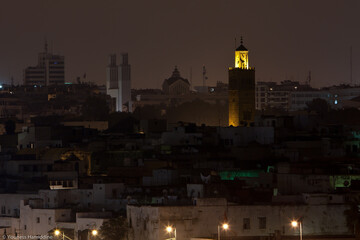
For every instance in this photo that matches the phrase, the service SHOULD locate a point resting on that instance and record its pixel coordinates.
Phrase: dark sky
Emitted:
(285, 38)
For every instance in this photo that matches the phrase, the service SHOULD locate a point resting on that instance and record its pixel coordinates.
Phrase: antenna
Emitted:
(45, 45)
(235, 43)
(204, 76)
(190, 76)
(350, 65)
(309, 78)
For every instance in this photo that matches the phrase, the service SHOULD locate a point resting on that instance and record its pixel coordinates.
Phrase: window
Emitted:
(114, 193)
(37, 220)
(3, 210)
(246, 223)
(262, 222)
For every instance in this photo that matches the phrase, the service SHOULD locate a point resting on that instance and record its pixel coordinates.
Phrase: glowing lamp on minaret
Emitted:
(241, 57)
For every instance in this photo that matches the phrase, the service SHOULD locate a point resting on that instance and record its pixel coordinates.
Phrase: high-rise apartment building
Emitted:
(49, 71)
(241, 90)
(118, 82)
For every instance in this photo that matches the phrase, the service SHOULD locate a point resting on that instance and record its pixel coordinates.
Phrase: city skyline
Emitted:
(286, 39)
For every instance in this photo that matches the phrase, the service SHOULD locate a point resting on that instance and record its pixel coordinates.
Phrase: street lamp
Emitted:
(224, 226)
(171, 229)
(294, 224)
(57, 233)
(94, 232)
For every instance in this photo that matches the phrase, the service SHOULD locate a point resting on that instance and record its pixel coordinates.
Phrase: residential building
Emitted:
(50, 70)
(201, 221)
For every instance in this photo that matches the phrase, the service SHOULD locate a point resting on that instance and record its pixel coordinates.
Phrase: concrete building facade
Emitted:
(250, 221)
(118, 83)
(49, 71)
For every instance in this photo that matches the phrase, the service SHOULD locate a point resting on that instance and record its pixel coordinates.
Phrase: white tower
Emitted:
(118, 82)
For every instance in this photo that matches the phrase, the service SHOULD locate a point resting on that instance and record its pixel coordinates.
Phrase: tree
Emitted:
(122, 122)
(10, 127)
(95, 108)
(114, 229)
(319, 105)
(352, 215)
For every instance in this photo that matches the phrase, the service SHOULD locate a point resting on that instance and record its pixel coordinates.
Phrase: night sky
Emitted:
(285, 38)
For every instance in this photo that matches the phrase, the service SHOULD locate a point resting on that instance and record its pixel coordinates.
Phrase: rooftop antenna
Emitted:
(309, 78)
(350, 65)
(235, 42)
(52, 47)
(190, 76)
(46, 46)
(204, 76)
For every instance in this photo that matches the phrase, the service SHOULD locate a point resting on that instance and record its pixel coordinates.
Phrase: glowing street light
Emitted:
(94, 232)
(170, 229)
(294, 224)
(57, 233)
(224, 226)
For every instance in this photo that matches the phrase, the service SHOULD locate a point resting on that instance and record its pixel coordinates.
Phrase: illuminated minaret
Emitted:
(241, 90)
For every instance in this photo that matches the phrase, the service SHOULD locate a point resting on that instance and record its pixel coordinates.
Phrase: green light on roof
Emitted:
(231, 175)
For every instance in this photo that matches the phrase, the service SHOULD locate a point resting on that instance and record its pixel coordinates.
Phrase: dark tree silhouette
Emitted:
(148, 112)
(114, 229)
(10, 127)
(353, 217)
(122, 122)
(95, 108)
(319, 105)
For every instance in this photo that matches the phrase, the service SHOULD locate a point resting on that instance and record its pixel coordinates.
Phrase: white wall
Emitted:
(11, 203)
(148, 222)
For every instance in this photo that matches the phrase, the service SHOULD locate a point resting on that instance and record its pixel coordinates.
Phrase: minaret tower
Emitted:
(241, 90)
